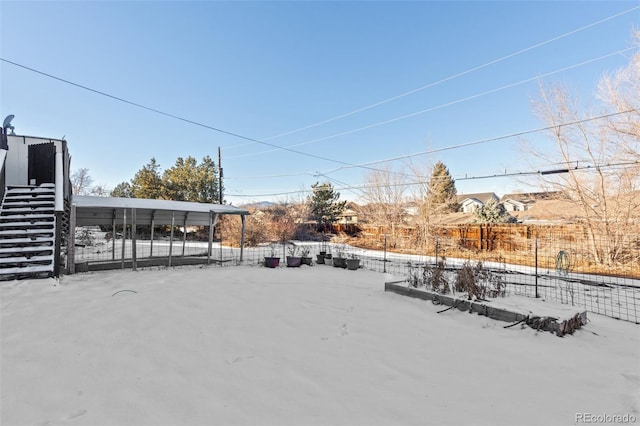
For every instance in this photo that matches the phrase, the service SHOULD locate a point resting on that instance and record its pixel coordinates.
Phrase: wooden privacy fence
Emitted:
(517, 244)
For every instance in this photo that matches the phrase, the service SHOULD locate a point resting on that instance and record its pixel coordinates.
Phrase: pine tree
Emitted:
(185, 181)
(441, 190)
(189, 181)
(123, 189)
(493, 212)
(324, 205)
(147, 182)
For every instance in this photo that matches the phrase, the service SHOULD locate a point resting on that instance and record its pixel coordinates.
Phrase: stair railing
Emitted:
(3, 158)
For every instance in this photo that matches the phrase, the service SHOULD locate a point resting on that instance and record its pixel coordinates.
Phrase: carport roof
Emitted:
(92, 210)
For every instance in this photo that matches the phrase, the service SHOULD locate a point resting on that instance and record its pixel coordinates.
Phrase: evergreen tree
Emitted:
(324, 205)
(493, 212)
(189, 181)
(147, 182)
(441, 190)
(123, 189)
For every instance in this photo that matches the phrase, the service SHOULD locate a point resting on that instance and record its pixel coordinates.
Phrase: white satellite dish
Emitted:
(6, 124)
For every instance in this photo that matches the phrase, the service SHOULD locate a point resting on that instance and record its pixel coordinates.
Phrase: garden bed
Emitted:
(538, 314)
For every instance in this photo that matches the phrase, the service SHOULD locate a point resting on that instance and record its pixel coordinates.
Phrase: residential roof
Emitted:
(483, 197)
(531, 197)
(91, 210)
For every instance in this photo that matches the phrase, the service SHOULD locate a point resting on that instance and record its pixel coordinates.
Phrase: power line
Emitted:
(465, 178)
(186, 120)
(263, 142)
(349, 165)
(448, 148)
(289, 149)
(441, 106)
(452, 77)
(493, 139)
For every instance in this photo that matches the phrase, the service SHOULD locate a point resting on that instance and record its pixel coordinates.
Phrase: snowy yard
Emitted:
(305, 346)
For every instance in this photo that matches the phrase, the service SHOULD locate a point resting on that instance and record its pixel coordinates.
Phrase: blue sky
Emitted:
(265, 70)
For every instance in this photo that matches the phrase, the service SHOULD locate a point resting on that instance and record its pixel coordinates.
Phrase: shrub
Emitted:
(478, 282)
(436, 275)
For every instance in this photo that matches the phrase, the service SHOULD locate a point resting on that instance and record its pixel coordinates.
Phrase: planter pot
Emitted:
(294, 261)
(340, 262)
(320, 259)
(353, 264)
(307, 260)
(327, 256)
(271, 262)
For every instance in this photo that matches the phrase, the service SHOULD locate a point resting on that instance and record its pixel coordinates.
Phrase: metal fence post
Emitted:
(384, 261)
(536, 256)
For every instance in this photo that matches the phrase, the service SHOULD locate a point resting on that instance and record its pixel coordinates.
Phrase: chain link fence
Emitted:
(554, 263)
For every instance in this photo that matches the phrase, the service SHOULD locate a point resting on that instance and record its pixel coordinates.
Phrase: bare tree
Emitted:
(81, 182)
(419, 199)
(597, 170)
(384, 194)
(100, 191)
(620, 92)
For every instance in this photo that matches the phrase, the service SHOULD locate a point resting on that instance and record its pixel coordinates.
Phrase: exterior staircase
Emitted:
(27, 232)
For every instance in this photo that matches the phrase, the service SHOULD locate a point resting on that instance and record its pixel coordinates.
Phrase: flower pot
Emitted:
(294, 261)
(271, 262)
(320, 259)
(340, 262)
(353, 264)
(307, 260)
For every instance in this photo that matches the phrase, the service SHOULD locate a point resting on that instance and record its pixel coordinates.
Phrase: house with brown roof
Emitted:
(520, 202)
(470, 202)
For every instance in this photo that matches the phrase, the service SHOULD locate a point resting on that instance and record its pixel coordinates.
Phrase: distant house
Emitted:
(470, 202)
(348, 217)
(520, 202)
(411, 209)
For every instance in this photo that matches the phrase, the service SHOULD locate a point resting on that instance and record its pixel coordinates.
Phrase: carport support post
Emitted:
(113, 236)
(184, 232)
(213, 219)
(153, 225)
(71, 249)
(210, 242)
(173, 223)
(133, 239)
(242, 218)
(124, 234)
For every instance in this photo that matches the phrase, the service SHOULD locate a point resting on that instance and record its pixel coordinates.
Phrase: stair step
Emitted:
(27, 218)
(9, 226)
(24, 232)
(26, 270)
(25, 201)
(26, 240)
(11, 205)
(27, 249)
(30, 190)
(29, 210)
(25, 259)
(30, 194)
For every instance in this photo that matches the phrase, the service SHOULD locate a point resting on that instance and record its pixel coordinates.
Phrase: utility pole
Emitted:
(220, 176)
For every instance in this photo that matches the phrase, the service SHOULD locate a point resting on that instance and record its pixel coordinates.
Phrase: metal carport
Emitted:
(92, 211)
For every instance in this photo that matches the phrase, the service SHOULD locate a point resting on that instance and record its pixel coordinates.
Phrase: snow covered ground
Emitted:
(305, 346)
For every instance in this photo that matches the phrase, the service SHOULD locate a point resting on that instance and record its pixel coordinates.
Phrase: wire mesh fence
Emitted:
(559, 264)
